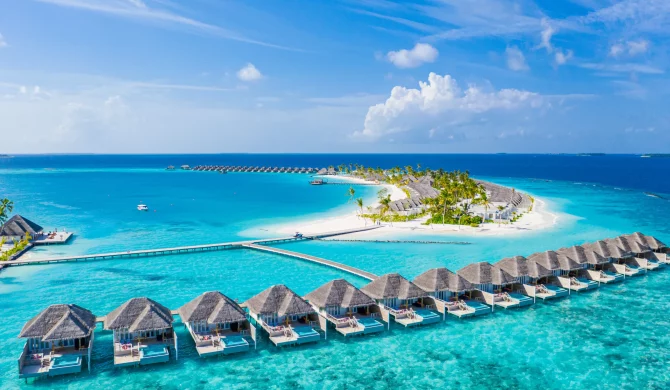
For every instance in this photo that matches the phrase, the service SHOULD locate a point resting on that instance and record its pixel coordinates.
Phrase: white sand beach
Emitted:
(539, 218)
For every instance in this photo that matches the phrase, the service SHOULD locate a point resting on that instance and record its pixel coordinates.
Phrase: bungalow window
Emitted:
(226, 325)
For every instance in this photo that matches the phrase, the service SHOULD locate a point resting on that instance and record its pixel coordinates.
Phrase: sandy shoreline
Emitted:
(538, 219)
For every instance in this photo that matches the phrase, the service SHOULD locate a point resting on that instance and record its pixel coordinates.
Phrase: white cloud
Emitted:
(562, 57)
(631, 48)
(545, 36)
(617, 49)
(420, 54)
(515, 59)
(23, 90)
(249, 73)
(437, 102)
(3, 42)
(138, 3)
(623, 68)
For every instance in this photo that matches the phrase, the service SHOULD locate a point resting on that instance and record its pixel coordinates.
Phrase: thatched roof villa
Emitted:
(143, 332)
(448, 290)
(16, 228)
(58, 339)
(400, 298)
(488, 281)
(349, 309)
(217, 324)
(286, 317)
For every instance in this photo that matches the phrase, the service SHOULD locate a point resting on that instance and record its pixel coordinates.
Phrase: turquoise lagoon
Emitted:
(615, 337)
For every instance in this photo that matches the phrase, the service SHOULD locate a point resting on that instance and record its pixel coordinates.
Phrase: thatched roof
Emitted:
(60, 322)
(441, 279)
(537, 271)
(599, 247)
(634, 244)
(213, 307)
(485, 273)
(650, 241)
(339, 293)
(139, 314)
(618, 249)
(393, 286)
(19, 226)
(593, 255)
(516, 266)
(568, 263)
(278, 299)
(547, 259)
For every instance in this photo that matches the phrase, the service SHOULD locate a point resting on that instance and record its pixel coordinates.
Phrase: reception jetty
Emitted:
(60, 337)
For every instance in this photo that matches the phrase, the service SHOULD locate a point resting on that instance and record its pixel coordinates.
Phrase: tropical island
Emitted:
(420, 199)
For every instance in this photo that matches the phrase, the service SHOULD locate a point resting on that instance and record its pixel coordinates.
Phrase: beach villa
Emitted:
(142, 332)
(489, 281)
(284, 315)
(217, 324)
(401, 299)
(524, 288)
(16, 228)
(350, 310)
(57, 341)
(549, 285)
(448, 291)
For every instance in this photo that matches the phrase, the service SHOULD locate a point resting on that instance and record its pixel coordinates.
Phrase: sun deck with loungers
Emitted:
(401, 299)
(142, 332)
(489, 283)
(350, 311)
(524, 288)
(448, 291)
(58, 340)
(285, 316)
(217, 324)
(548, 285)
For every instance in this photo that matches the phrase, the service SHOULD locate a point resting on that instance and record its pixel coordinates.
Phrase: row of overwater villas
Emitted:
(225, 168)
(60, 338)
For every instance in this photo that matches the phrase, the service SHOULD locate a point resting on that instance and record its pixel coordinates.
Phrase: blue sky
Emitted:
(460, 76)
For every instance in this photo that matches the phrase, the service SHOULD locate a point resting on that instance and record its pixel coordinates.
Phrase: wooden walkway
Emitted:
(178, 250)
(314, 259)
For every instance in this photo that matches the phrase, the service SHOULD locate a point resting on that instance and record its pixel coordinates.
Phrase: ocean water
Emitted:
(615, 337)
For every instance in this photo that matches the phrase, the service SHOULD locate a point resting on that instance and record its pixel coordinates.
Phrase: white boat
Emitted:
(142, 207)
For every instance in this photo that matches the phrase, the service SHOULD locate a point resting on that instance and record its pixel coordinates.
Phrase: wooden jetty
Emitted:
(180, 250)
(254, 169)
(314, 259)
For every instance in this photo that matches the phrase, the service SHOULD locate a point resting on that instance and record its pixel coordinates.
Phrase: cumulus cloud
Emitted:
(3, 43)
(438, 102)
(249, 73)
(545, 36)
(562, 57)
(420, 54)
(515, 59)
(630, 48)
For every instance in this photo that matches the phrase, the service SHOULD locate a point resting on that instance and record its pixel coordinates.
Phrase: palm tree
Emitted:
(484, 201)
(6, 207)
(350, 193)
(500, 210)
(385, 204)
(359, 203)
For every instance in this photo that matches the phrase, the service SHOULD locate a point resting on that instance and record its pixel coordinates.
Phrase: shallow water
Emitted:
(615, 337)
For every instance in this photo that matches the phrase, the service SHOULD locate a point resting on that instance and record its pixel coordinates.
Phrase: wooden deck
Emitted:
(314, 259)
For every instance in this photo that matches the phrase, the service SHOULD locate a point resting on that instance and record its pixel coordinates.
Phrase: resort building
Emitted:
(142, 331)
(623, 258)
(16, 228)
(644, 255)
(597, 268)
(572, 263)
(349, 309)
(489, 281)
(217, 324)
(510, 199)
(402, 299)
(285, 316)
(448, 291)
(57, 341)
(524, 288)
(659, 249)
(549, 285)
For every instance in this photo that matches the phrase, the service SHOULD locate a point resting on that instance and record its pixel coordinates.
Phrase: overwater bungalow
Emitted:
(142, 332)
(623, 258)
(217, 324)
(598, 269)
(284, 315)
(550, 284)
(524, 288)
(448, 290)
(401, 299)
(57, 341)
(659, 249)
(644, 255)
(573, 263)
(350, 310)
(489, 282)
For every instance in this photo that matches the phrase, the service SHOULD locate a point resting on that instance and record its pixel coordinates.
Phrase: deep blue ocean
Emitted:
(613, 338)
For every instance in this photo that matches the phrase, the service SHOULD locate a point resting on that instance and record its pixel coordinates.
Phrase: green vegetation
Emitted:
(6, 207)
(18, 247)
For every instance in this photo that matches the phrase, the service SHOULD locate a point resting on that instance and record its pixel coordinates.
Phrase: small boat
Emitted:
(185, 168)
(318, 182)
(170, 168)
(142, 207)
